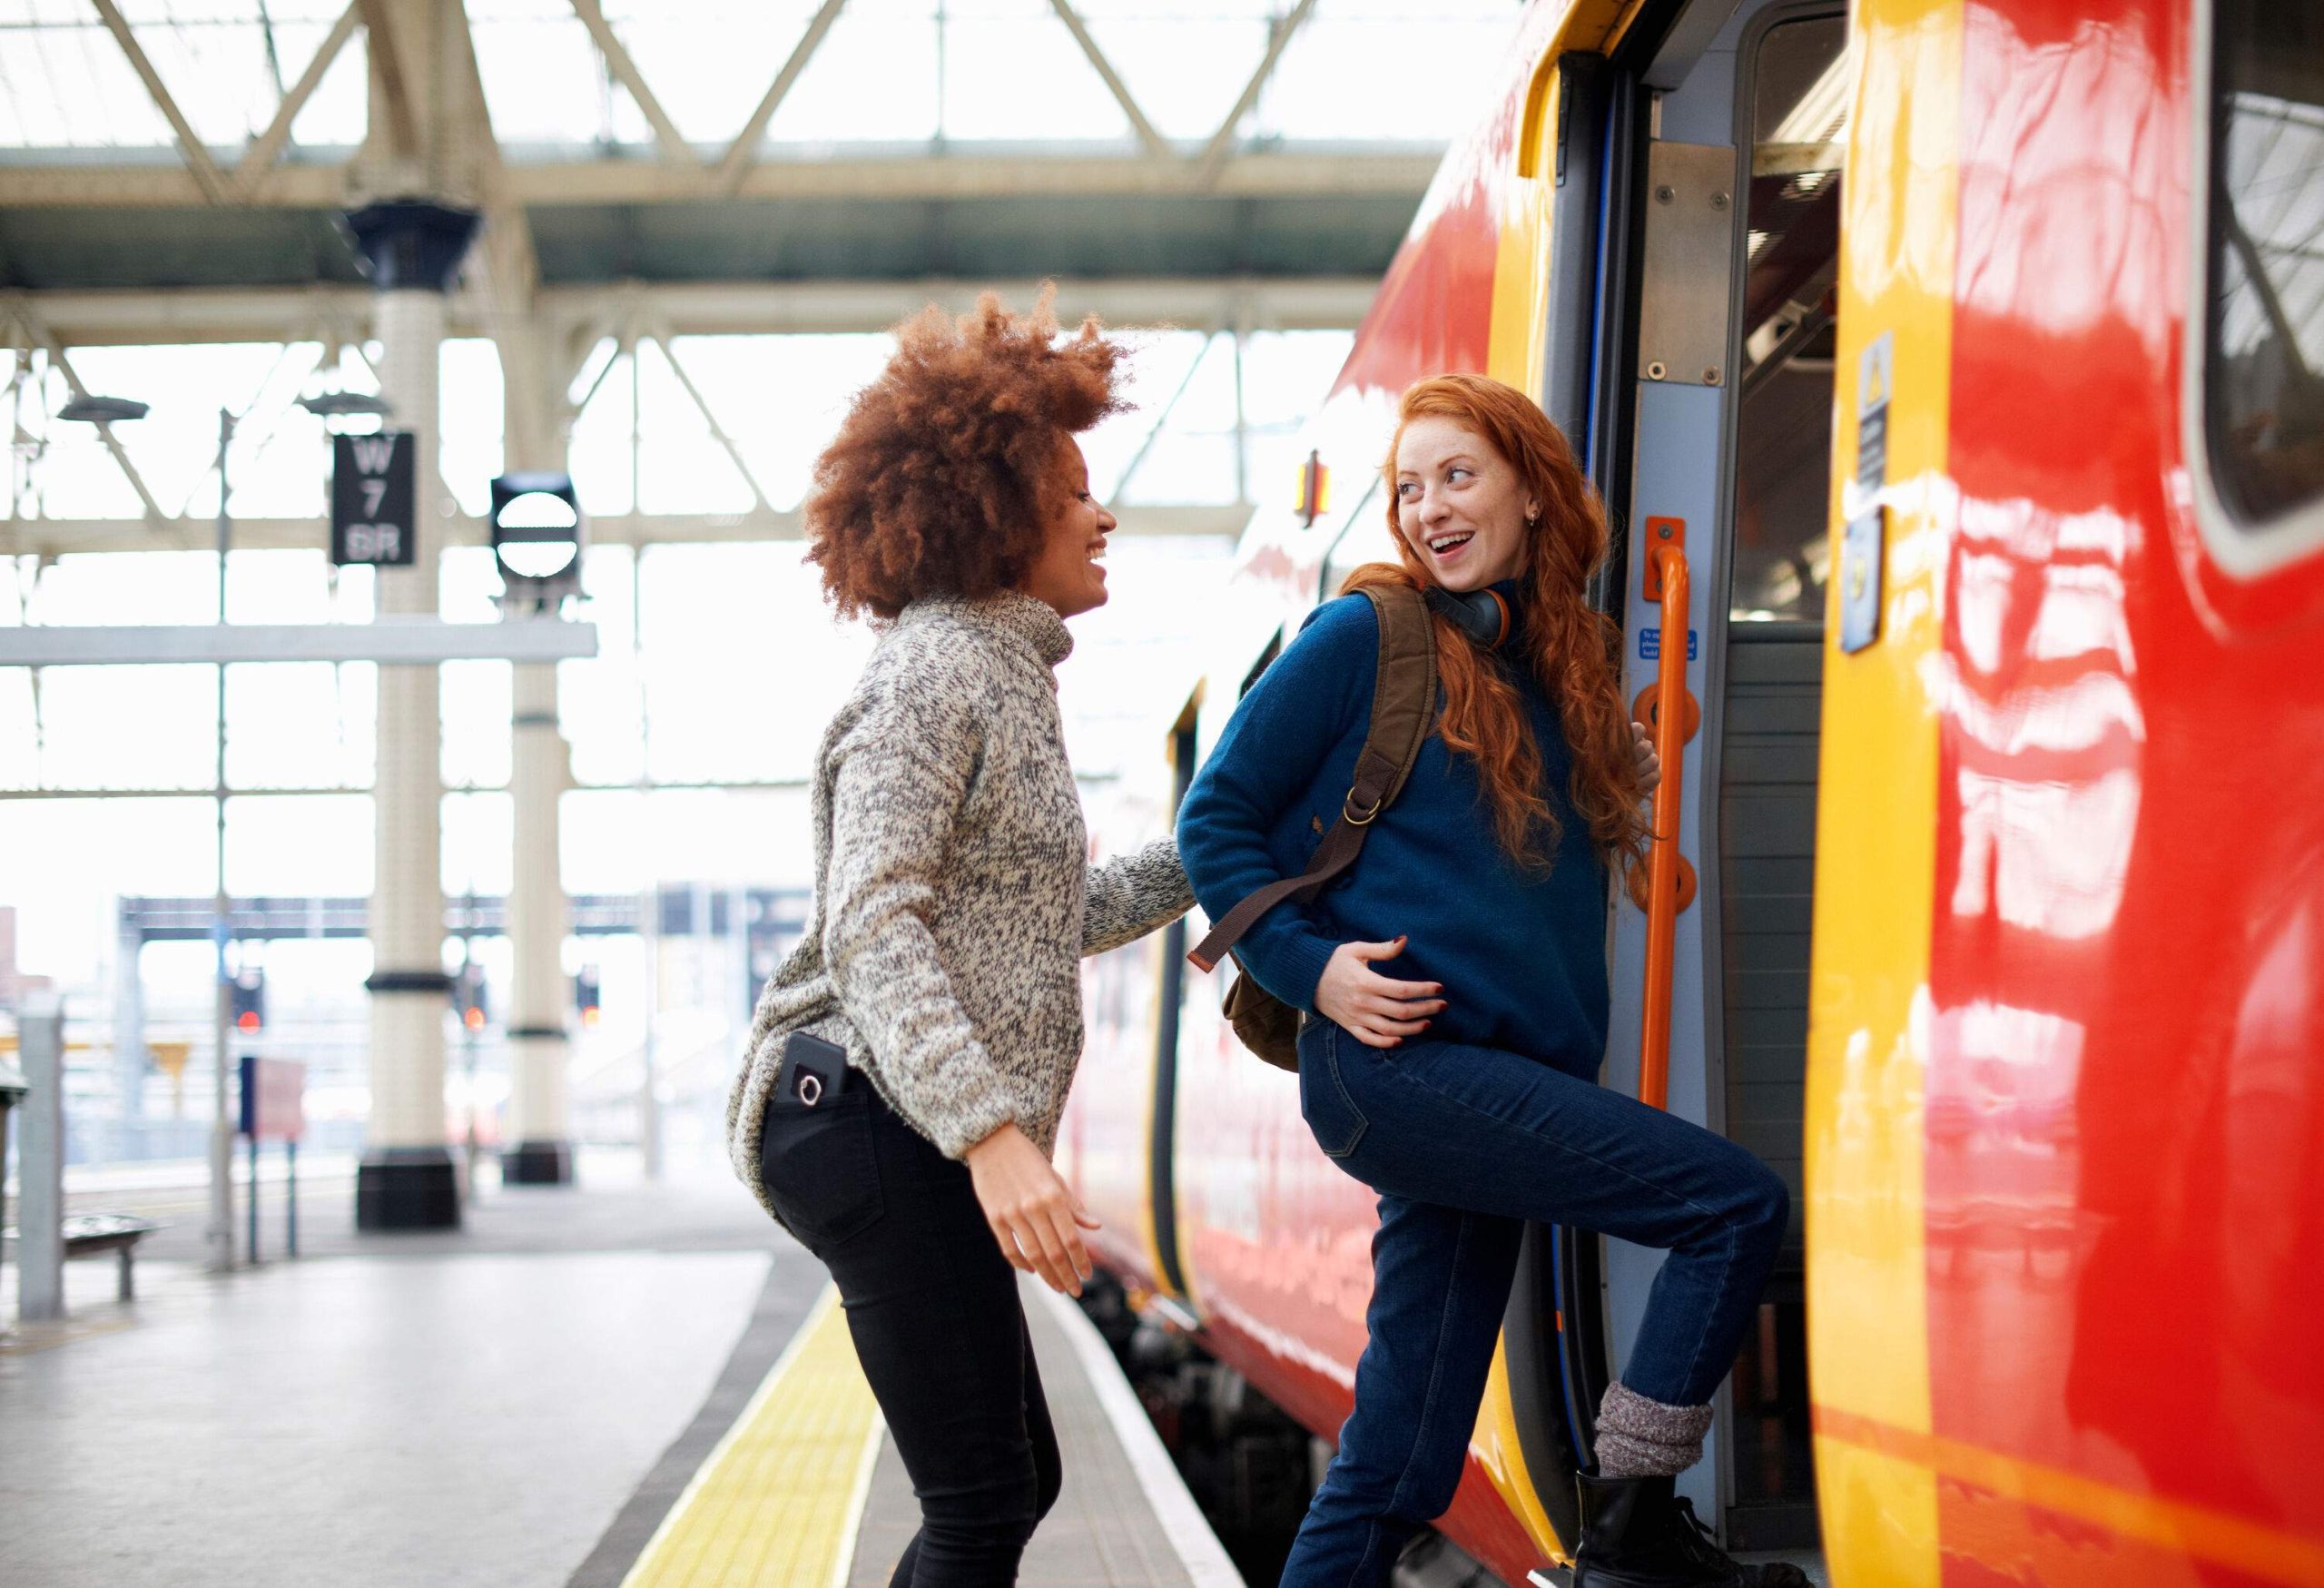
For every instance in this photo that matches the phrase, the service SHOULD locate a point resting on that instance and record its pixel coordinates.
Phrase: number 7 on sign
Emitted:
(375, 491)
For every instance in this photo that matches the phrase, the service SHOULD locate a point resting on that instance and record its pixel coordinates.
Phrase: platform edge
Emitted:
(1187, 1529)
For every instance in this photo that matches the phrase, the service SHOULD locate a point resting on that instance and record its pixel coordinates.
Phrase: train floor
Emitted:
(619, 1383)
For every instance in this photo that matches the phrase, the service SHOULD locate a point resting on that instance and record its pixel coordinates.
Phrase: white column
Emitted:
(540, 1129)
(406, 1182)
(407, 920)
(40, 1132)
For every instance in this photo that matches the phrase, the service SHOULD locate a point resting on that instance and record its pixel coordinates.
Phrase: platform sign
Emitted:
(273, 1099)
(372, 501)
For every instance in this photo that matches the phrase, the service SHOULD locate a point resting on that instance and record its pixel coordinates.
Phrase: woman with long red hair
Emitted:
(1452, 995)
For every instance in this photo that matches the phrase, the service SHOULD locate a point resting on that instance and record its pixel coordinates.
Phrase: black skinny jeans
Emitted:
(938, 1326)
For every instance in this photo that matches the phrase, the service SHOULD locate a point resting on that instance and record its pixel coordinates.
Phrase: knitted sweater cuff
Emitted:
(1295, 966)
(969, 1117)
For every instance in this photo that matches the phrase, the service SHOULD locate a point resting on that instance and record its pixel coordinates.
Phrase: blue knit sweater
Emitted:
(1521, 954)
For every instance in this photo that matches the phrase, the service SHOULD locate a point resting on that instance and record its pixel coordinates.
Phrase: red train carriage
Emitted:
(1978, 347)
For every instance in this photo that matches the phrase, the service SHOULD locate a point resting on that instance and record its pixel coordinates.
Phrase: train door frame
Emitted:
(1772, 1525)
(1162, 1130)
(1694, 95)
(1605, 123)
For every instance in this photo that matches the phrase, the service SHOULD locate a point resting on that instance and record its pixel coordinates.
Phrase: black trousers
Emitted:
(938, 1325)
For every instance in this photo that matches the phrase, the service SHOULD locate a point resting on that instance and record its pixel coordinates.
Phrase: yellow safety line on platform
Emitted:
(779, 1499)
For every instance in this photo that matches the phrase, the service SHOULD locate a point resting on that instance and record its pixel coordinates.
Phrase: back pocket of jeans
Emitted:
(821, 1168)
(1332, 1116)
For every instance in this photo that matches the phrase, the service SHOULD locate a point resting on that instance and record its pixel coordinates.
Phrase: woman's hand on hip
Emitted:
(1032, 1213)
(1375, 1009)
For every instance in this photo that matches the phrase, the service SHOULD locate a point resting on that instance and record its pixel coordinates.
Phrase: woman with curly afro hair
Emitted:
(910, 1059)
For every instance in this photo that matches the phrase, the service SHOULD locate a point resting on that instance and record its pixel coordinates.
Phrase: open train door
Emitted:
(1698, 230)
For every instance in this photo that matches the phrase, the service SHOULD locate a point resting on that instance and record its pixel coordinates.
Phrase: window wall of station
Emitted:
(692, 731)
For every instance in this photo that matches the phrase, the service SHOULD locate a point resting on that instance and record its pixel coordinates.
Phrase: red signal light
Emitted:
(246, 1020)
(475, 1018)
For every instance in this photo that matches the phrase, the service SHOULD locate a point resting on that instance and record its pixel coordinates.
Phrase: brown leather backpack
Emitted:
(1404, 709)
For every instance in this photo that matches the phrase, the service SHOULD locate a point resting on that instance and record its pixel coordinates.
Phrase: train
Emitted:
(1971, 354)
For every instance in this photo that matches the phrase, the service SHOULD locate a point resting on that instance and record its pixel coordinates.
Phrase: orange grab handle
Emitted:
(1669, 566)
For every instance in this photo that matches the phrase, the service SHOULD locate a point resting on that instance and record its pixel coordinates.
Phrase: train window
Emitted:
(2262, 397)
(1799, 111)
(1364, 537)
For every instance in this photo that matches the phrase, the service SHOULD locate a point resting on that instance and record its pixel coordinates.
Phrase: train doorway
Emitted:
(1737, 194)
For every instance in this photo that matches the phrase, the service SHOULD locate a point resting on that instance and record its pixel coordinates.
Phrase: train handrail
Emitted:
(1667, 581)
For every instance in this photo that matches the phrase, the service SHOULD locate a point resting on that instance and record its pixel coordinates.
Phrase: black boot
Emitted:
(1636, 1533)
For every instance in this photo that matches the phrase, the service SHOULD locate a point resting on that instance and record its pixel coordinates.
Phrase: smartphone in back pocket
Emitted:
(813, 1072)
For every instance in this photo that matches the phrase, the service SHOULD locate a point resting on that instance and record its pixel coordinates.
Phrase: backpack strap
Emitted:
(1404, 709)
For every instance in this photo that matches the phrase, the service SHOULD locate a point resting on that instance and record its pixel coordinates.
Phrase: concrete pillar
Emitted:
(40, 1131)
(539, 1118)
(536, 425)
(406, 1182)
(129, 1058)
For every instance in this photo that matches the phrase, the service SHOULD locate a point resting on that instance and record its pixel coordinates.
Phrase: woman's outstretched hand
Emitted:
(1032, 1213)
(1649, 761)
(1375, 1011)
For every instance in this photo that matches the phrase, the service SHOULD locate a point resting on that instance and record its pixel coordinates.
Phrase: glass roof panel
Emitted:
(543, 78)
(64, 81)
(1184, 65)
(897, 72)
(1013, 71)
(874, 79)
(1372, 73)
(70, 85)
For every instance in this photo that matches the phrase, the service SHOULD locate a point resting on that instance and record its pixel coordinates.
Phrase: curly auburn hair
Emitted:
(937, 480)
(1570, 648)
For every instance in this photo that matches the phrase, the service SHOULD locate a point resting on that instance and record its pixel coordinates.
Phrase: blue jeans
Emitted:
(1465, 1146)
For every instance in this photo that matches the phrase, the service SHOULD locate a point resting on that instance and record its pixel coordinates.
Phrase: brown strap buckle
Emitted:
(1347, 810)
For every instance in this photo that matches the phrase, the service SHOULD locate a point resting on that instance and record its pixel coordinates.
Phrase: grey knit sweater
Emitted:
(953, 896)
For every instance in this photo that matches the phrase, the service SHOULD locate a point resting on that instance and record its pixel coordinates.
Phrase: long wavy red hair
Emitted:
(1569, 648)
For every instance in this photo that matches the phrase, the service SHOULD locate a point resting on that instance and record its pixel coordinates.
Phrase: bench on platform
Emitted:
(89, 1235)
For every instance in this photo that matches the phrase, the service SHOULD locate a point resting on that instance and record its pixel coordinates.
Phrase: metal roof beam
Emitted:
(511, 273)
(575, 318)
(742, 155)
(388, 76)
(674, 147)
(717, 430)
(1155, 144)
(1054, 172)
(206, 175)
(268, 146)
(388, 640)
(72, 536)
(1213, 158)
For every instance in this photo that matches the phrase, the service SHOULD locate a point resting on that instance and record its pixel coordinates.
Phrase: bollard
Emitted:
(40, 1132)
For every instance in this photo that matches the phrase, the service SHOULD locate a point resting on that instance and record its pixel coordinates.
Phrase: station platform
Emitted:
(617, 1383)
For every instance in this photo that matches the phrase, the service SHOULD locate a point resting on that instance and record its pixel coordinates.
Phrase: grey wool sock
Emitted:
(1640, 1439)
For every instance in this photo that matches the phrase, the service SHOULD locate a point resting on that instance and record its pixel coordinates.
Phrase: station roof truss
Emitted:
(172, 171)
(587, 132)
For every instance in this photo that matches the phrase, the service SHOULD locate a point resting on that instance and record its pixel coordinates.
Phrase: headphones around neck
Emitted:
(1482, 614)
